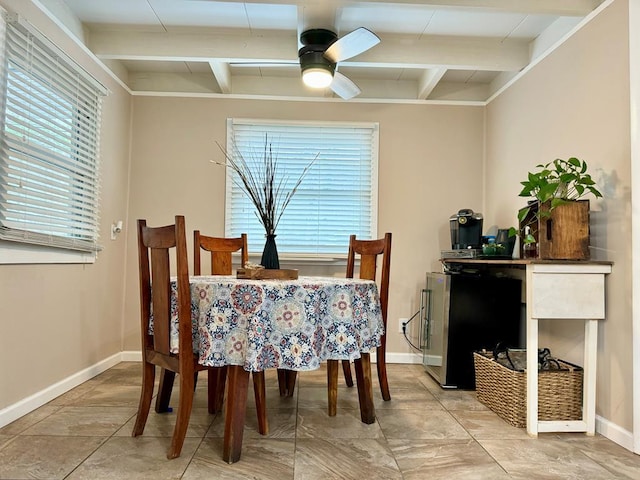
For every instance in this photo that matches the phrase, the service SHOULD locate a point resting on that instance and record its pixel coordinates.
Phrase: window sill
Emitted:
(22, 253)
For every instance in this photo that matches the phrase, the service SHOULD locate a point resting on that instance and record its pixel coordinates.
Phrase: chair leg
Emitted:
(291, 382)
(282, 382)
(365, 389)
(216, 379)
(381, 366)
(332, 387)
(167, 377)
(164, 390)
(185, 403)
(146, 394)
(287, 382)
(235, 413)
(259, 391)
(346, 368)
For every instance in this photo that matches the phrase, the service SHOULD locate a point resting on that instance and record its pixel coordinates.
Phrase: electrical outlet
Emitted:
(401, 323)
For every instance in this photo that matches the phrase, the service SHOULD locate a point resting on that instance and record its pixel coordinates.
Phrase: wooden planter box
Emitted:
(562, 236)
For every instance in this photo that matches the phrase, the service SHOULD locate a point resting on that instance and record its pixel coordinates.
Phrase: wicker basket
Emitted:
(504, 391)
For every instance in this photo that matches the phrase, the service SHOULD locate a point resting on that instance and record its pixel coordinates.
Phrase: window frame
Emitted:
(309, 257)
(20, 246)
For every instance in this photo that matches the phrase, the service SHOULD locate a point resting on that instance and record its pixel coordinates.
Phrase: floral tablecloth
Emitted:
(291, 324)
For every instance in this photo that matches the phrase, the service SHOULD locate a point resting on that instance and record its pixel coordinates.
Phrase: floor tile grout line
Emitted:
(195, 451)
(456, 401)
(79, 464)
(106, 439)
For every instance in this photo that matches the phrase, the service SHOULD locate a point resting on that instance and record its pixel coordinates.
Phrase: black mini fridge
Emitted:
(463, 313)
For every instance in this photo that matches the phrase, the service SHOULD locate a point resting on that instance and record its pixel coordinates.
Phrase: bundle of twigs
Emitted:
(261, 180)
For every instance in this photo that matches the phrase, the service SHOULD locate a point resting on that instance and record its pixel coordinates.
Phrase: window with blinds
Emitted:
(49, 144)
(337, 198)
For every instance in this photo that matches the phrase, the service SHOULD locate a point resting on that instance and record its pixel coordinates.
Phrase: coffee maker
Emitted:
(466, 230)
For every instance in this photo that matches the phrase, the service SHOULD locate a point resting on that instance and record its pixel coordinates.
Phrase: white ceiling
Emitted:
(455, 50)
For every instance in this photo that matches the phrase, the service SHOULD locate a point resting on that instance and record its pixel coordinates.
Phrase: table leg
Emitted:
(217, 378)
(365, 388)
(589, 375)
(332, 389)
(259, 391)
(532, 376)
(235, 412)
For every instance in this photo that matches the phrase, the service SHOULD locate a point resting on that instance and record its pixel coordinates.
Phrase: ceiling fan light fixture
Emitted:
(317, 77)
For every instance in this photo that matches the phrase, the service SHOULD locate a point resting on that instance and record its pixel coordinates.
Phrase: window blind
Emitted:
(49, 145)
(337, 198)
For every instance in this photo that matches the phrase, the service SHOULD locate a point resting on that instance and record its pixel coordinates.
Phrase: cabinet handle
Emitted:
(421, 323)
(425, 335)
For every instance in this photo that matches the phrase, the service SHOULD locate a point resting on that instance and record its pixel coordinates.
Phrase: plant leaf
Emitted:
(522, 214)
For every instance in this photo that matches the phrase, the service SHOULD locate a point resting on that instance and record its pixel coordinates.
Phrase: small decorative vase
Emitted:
(530, 250)
(270, 253)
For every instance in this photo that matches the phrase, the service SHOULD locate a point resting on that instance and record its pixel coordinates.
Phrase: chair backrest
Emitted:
(221, 250)
(154, 247)
(368, 250)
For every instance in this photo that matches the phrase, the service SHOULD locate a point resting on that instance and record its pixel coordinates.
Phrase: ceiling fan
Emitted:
(321, 52)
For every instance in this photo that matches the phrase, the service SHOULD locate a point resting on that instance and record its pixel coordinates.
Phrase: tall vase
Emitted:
(270, 254)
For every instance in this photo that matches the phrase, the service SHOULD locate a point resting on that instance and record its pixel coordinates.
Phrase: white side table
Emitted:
(565, 291)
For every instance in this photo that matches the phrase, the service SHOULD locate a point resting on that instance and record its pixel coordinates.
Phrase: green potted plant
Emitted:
(558, 215)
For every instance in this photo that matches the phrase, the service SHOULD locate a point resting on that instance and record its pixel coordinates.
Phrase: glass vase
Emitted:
(270, 254)
(530, 250)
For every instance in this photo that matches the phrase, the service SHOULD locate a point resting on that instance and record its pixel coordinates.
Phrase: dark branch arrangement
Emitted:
(263, 182)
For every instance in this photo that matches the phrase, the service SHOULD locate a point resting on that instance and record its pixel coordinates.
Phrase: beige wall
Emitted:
(576, 103)
(423, 150)
(57, 320)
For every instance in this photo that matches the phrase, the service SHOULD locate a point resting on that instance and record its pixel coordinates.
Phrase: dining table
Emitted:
(252, 325)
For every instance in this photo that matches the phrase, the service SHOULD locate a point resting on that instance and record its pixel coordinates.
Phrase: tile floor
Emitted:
(424, 432)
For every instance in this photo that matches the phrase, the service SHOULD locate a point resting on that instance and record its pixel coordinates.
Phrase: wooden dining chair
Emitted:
(221, 250)
(368, 251)
(221, 263)
(154, 248)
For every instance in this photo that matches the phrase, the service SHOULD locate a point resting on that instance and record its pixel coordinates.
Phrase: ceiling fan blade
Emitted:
(343, 87)
(352, 44)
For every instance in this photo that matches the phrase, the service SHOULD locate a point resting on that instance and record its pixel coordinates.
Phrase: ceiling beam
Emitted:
(222, 72)
(127, 44)
(173, 82)
(428, 81)
(572, 8)
(487, 54)
(316, 15)
(394, 51)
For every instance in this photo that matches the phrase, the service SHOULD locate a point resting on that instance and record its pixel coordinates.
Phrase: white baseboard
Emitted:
(27, 405)
(131, 356)
(402, 357)
(614, 432)
(11, 413)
